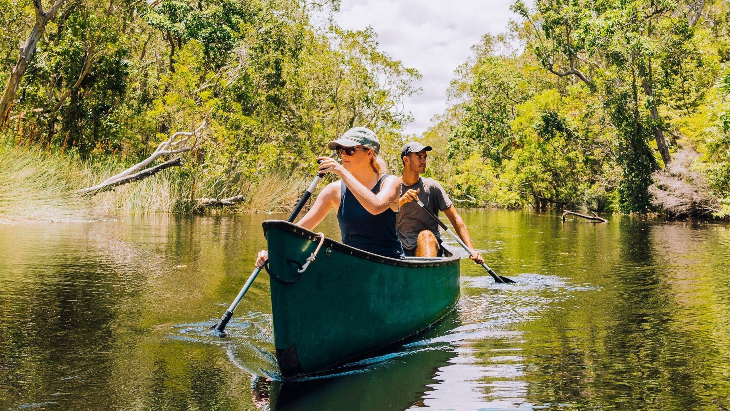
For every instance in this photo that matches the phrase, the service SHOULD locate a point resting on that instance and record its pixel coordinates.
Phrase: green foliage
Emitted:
(648, 65)
(598, 99)
(541, 143)
(273, 88)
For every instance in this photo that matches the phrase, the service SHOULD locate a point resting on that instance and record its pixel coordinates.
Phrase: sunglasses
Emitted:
(350, 151)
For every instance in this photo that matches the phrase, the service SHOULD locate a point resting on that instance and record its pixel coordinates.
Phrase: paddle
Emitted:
(497, 278)
(221, 325)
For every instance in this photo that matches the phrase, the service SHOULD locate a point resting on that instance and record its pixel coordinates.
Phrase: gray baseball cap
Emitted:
(356, 136)
(413, 147)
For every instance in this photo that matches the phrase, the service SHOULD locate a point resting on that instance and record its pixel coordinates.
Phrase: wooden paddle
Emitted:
(497, 278)
(221, 325)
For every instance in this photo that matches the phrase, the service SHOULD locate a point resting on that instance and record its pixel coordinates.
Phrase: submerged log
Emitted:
(595, 217)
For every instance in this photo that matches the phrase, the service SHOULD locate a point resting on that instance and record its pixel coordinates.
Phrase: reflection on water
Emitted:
(115, 314)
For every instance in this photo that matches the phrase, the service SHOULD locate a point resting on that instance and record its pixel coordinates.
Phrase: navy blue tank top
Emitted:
(372, 233)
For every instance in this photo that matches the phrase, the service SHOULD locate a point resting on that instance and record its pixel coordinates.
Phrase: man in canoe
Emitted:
(418, 231)
(365, 197)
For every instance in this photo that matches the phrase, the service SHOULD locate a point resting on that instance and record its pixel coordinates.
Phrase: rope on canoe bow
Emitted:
(302, 267)
(314, 254)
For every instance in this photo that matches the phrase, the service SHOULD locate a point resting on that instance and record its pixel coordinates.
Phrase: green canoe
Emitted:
(348, 302)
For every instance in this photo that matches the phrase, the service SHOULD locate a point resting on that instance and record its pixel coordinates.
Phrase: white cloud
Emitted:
(434, 37)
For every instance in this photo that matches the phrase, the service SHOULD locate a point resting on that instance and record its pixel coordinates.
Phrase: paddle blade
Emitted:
(220, 326)
(497, 278)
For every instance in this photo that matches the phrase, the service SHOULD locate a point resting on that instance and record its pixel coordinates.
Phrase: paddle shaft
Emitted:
(229, 312)
(491, 272)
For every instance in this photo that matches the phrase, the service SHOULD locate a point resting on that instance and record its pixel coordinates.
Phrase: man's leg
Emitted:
(428, 245)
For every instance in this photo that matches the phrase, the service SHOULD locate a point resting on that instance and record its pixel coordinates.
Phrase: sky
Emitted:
(432, 36)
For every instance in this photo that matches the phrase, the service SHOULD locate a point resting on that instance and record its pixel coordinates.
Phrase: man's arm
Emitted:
(462, 232)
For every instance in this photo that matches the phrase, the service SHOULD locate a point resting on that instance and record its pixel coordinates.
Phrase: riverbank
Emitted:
(39, 186)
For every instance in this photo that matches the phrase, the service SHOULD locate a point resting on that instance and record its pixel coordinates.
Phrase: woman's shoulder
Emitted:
(332, 188)
(390, 179)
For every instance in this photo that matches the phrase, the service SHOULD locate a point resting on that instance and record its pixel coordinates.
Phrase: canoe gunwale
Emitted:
(346, 249)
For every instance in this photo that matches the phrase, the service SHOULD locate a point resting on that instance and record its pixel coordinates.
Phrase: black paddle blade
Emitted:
(219, 328)
(497, 277)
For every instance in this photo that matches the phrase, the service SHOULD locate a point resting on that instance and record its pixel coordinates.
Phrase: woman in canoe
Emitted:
(366, 199)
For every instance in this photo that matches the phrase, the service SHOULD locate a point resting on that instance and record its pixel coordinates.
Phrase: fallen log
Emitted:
(220, 202)
(595, 217)
(175, 162)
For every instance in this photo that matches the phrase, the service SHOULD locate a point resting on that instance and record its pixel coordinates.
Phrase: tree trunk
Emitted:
(26, 55)
(661, 142)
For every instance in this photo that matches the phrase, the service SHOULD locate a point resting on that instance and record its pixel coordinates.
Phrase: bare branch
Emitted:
(177, 161)
(164, 149)
(172, 146)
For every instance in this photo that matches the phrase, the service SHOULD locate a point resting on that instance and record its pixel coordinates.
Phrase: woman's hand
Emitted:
(261, 258)
(330, 165)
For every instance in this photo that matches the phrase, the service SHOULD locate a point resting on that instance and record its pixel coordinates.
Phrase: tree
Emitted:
(636, 54)
(27, 50)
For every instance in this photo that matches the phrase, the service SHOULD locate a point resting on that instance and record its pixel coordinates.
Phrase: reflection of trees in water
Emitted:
(79, 300)
(186, 377)
(59, 328)
(639, 346)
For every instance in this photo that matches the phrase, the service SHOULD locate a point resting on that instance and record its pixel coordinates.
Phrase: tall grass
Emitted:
(37, 186)
(42, 186)
(274, 193)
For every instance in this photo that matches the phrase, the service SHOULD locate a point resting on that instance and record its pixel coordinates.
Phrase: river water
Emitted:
(114, 314)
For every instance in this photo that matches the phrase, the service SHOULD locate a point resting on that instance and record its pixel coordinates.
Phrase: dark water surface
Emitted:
(114, 315)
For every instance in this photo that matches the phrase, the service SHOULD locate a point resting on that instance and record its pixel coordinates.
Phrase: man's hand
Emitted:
(410, 195)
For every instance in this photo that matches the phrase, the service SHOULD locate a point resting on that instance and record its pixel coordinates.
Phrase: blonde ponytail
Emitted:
(378, 164)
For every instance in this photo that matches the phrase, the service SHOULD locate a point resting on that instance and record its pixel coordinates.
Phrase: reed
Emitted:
(274, 192)
(37, 186)
(42, 186)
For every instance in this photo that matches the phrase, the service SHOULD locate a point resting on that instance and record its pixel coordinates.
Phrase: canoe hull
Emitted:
(348, 302)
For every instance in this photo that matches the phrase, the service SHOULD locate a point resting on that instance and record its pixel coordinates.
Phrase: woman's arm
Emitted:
(373, 203)
(328, 199)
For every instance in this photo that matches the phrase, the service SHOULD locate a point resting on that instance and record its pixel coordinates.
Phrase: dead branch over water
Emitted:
(178, 143)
